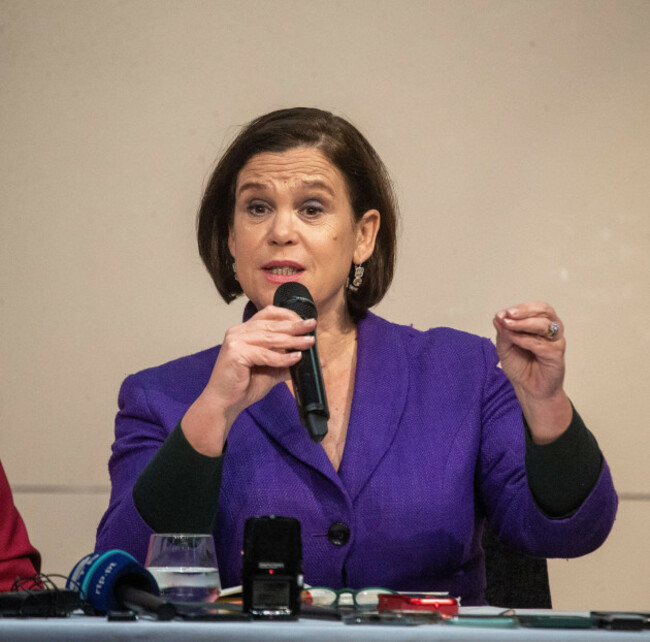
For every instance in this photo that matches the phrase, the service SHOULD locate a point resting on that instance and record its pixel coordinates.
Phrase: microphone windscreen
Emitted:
(295, 296)
(96, 577)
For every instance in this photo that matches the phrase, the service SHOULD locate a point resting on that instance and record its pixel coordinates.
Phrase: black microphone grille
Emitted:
(295, 296)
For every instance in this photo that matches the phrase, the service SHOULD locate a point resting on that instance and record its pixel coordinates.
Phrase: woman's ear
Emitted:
(231, 241)
(367, 230)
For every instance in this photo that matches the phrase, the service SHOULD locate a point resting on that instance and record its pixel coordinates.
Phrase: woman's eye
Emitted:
(258, 209)
(312, 209)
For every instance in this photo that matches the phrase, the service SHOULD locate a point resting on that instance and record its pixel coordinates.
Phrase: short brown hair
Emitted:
(367, 179)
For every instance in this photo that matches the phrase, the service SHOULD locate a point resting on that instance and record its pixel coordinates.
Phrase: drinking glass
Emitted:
(185, 566)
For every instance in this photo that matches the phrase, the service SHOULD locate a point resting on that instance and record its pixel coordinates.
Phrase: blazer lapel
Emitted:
(277, 415)
(380, 390)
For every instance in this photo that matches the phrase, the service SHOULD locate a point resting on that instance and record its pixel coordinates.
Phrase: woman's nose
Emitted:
(282, 230)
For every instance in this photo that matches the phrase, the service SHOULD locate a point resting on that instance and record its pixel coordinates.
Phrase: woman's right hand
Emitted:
(255, 356)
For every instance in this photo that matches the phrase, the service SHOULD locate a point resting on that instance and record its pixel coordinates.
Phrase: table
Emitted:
(79, 627)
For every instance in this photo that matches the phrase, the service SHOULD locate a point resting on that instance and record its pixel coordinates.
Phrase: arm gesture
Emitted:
(531, 346)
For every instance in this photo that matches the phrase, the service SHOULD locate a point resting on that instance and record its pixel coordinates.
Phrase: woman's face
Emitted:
(293, 221)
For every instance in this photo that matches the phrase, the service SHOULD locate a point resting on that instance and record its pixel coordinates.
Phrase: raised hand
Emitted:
(531, 346)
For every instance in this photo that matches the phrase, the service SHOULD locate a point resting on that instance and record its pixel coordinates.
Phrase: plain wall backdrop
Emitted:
(517, 134)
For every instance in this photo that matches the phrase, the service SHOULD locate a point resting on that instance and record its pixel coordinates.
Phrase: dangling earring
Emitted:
(234, 271)
(357, 280)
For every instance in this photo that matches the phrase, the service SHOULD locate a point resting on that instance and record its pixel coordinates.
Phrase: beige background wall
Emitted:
(516, 132)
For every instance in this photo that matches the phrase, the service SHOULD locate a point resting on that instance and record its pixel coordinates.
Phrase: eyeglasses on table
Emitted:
(365, 598)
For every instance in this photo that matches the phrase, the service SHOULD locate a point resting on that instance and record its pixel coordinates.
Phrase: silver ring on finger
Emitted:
(553, 329)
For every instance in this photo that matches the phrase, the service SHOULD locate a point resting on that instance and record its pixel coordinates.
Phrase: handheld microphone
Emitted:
(306, 375)
(115, 580)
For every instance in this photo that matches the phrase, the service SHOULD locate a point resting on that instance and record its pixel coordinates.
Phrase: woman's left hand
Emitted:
(531, 345)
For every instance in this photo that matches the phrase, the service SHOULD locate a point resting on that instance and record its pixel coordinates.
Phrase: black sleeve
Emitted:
(178, 491)
(561, 474)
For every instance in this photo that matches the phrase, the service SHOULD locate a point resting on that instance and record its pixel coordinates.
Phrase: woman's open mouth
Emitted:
(284, 270)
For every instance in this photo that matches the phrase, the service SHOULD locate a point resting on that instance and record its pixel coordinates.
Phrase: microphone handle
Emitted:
(309, 388)
(143, 602)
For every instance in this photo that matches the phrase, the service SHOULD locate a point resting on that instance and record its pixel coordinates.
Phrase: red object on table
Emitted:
(445, 605)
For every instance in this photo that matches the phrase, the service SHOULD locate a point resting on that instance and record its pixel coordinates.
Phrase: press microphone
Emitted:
(306, 375)
(114, 581)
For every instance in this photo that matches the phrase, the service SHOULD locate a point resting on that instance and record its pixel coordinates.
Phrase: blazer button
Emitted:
(338, 534)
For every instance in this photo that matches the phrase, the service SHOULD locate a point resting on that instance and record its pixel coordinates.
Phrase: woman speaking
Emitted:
(427, 437)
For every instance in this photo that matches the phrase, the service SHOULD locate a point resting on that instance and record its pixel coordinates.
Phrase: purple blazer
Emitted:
(435, 446)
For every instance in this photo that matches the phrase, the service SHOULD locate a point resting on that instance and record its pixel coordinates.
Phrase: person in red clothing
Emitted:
(18, 558)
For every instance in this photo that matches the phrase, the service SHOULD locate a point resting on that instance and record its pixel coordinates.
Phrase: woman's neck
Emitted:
(337, 347)
(336, 335)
